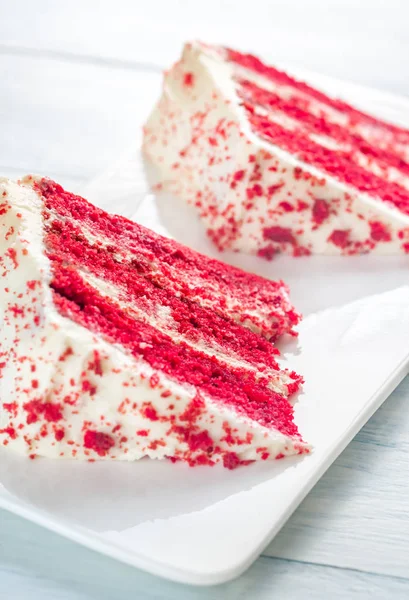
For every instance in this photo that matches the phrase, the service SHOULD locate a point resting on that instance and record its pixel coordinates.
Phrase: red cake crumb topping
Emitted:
(59, 435)
(340, 238)
(98, 441)
(279, 234)
(10, 431)
(47, 410)
(189, 79)
(320, 211)
(379, 232)
(200, 441)
(11, 407)
(231, 460)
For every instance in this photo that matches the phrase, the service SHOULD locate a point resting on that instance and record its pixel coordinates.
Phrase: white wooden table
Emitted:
(69, 104)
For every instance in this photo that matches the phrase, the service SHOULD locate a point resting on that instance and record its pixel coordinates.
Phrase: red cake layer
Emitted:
(295, 109)
(335, 163)
(252, 300)
(248, 61)
(237, 388)
(131, 314)
(355, 148)
(66, 244)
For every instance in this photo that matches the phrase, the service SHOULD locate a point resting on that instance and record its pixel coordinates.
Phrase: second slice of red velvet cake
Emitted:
(118, 343)
(275, 165)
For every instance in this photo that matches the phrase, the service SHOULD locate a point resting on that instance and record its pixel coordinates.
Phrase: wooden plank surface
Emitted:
(38, 564)
(77, 79)
(357, 516)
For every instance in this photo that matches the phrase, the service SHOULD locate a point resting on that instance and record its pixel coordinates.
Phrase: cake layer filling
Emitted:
(252, 301)
(334, 136)
(238, 388)
(392, 137)
(334, 162)
(179, 318)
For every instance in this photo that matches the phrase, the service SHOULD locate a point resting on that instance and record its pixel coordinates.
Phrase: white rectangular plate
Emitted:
(206, 525)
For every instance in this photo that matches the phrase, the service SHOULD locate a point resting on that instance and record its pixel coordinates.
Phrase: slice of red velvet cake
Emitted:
(119, 343)
(274, 165)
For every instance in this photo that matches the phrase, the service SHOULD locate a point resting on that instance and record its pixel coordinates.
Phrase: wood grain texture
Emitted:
(357, 516)
(362, 41)
(38, 564)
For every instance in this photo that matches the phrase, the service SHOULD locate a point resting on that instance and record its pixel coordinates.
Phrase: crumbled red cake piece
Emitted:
(98, 441)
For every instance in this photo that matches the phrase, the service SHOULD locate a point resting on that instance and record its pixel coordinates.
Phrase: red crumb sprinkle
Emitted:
(96, 364)
(100, 442)
(59, 434)
(35, 409)
(68, 352)
(379, 232)
(11, 407)
(154, 380)
(189, 79)
(150, 413)
(268, 252)
(280, 455)
(87, 386)
(142, 432)
(340, 238)
(286, 206)
(301, 251)
(320, 211)
(231, 460)
(200, 441)
(273, 189)
(10, 431)
(13, 255)
(282, 235)
(238, 175)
